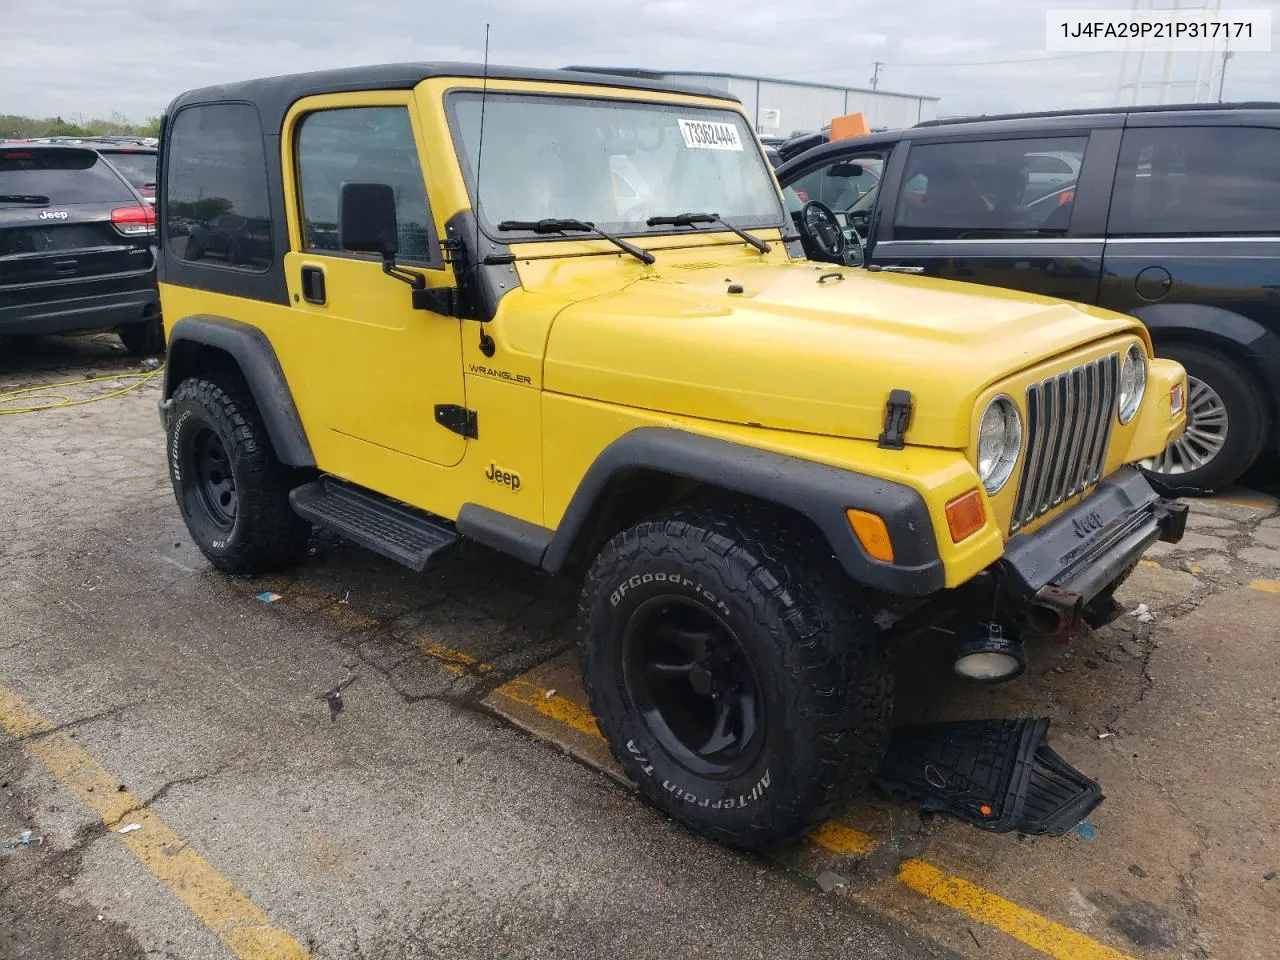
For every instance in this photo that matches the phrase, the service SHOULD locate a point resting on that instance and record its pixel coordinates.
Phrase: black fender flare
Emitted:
(253, 354)
(817, 491)
(1229, 332)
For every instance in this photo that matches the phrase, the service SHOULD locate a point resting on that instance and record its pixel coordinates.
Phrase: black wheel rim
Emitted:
(215, 484)
(694, 686)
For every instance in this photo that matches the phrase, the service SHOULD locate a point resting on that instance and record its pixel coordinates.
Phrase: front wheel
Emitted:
(732, 672)
(1226, 425)
(233, 492)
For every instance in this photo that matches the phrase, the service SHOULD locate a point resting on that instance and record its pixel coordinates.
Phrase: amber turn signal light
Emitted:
(872, 534)
(966, 515)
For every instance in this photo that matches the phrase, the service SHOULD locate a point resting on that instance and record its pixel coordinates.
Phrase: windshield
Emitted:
(613, 163)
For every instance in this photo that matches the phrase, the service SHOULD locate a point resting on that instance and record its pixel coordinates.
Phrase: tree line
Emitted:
(15, 127)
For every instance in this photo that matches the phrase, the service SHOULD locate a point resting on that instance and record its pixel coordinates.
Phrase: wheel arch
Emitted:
(652, 467)
(202, 345)
(1236, 337)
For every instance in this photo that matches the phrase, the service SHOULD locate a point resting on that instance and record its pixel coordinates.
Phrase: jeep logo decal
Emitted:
(505, 477)
(1087, 524)
(53, 214)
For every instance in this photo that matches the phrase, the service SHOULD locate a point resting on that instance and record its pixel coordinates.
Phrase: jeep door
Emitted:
(385, 366)
(967, 207)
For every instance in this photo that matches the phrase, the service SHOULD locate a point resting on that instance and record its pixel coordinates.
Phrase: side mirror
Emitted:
(367, 219)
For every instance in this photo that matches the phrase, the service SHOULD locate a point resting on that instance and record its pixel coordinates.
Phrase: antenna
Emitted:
(487, 346)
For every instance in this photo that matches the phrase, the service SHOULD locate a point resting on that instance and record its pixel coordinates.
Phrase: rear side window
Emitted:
(216, 197)
(362, 144)
(138, 168)
(63, 176)
(1193, 181)
(989, 189)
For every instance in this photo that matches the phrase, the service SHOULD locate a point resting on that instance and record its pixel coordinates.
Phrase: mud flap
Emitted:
(999, 775)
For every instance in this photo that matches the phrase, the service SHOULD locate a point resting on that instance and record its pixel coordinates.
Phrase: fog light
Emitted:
(1177, 397)
(989, 658)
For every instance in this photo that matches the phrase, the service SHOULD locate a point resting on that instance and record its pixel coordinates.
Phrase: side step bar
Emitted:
(407, 536)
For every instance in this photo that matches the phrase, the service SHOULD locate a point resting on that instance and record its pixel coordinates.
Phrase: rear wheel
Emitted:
(732, 671)
(1227, 425)
(233, 492)
(143, 339)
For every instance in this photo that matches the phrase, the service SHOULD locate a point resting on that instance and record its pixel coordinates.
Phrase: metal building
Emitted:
(787, 107)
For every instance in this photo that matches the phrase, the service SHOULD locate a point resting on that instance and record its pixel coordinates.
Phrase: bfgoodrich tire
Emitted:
(1227, 425)
(732, 671)
(231, 489)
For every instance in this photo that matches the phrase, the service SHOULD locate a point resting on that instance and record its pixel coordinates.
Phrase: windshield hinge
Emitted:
(897, 418)
(459, 419)
(451, 251)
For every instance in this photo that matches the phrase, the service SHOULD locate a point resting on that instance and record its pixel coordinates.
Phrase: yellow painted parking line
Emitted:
(835, 836)
(552, 705)
(1052, 939)
(210, 896)
(455, 661)
(1266, 586)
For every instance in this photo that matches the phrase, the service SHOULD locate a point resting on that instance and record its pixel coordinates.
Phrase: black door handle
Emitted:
(313, 285)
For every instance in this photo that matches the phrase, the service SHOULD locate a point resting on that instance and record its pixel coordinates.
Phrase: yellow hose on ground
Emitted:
(56, 401)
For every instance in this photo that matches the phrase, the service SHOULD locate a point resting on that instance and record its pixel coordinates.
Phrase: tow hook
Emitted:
(1055, 612)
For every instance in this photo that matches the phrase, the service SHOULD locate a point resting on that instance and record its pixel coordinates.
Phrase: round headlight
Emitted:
(999, 443)
(1133, 382)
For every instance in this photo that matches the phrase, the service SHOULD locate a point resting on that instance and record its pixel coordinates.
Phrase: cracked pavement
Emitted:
(413, 823)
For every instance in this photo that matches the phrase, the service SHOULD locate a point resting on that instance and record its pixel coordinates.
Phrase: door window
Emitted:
(362, 144)
(216, 193)
(843, 185)
(989, 189)
(1193, 181)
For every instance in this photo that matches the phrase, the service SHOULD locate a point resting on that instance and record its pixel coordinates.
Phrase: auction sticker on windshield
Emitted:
(708, 135)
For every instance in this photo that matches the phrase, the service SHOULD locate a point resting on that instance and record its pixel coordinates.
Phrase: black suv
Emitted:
(1170, 213)
(77, 247)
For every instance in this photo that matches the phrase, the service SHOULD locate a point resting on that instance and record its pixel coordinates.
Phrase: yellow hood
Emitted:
(795, 354)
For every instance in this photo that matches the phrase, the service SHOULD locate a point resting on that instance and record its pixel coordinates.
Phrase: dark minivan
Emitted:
(77, 247)
(1170, 213)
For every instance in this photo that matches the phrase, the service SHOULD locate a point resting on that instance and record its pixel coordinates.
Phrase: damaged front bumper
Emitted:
(1063, 573)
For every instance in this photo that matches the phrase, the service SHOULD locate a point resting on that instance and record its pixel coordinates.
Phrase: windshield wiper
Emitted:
(689, 219)
(23, 198)
(579, 226)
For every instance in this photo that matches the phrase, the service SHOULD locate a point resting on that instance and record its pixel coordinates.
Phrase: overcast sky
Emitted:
(88, 57)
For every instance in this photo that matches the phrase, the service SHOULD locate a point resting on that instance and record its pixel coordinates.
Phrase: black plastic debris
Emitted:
(334, 698)
(999, 775)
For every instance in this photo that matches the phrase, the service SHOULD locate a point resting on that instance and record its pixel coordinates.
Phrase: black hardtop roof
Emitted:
(274, 95)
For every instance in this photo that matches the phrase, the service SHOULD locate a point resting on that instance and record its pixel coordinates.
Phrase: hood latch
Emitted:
(897, 418)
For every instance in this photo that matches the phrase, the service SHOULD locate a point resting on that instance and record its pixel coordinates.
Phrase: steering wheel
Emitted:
(822, 227)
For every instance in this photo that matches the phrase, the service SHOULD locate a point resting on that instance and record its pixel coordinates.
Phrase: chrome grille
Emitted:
(1069, 418)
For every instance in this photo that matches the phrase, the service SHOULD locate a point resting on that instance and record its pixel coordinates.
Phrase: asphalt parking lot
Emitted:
(379, 765)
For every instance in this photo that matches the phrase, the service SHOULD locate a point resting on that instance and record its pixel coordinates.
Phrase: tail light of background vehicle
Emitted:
(134, 221)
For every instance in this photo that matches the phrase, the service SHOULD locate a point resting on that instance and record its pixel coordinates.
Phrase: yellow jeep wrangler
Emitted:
(565, 315)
